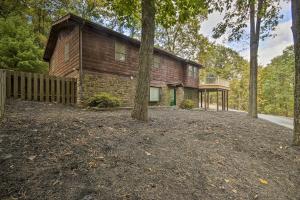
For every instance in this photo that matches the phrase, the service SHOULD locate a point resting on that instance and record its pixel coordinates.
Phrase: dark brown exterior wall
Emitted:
(58, 67)
(99, 56)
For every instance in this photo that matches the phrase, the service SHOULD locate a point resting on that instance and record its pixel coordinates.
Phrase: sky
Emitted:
(269, 48)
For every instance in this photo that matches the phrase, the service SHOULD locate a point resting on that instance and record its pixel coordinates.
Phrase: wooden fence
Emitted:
(40, 87)
(2, 91)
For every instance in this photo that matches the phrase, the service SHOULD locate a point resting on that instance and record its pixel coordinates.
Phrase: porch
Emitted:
(216, 86)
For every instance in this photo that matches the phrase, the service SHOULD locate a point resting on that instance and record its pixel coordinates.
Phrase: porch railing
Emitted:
(214, 81)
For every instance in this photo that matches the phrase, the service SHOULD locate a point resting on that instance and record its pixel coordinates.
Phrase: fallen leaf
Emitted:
(31, 158)
(263, 181)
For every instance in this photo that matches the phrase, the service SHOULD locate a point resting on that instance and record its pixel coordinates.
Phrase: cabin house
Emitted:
(103, 60)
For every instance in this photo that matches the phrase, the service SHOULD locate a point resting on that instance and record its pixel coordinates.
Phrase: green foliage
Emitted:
(237, 15)
(276, 85)
(18, 47)
(104, 100)
(187, 104)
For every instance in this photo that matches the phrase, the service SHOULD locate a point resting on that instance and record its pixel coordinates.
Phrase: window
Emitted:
(120, 51)
(154, 94)
(156, 61)
(66, 52)
(192, 71)
(195, 72)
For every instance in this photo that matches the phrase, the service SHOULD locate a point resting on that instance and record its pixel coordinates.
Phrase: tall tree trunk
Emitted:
(252, 107)
(254, 43)
(296, 34)
(140, 110)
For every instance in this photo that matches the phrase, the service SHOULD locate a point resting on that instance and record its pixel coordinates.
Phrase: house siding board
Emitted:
(99, 56)
(58, 66)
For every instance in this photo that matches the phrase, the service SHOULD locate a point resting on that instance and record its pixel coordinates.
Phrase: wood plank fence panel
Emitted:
(68, 92)
(22, 85)
(35, 87)
(3, 91)
(47, 88)
(8, 84)
(40, 87)
(52, 80)
(63, 92)
(58, 98)
(29, 86)
(16, 84)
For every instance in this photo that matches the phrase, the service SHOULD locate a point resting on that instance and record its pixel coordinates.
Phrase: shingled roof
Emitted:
(71, 20)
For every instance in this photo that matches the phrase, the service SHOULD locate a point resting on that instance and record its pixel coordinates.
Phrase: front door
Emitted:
(172, 97)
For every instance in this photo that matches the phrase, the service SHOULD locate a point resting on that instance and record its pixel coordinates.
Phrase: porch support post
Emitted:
(207, 99)
(223, 100)
(227, 98)
(217, 100)
(201, 99)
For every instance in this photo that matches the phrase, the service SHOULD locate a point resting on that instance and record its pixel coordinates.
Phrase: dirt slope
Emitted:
(55, 152)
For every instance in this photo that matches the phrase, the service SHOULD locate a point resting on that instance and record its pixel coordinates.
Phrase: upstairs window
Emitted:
(66, 52)
(156, 61)
(120, 51)
(154, 94)
(192, 71)
(195, 72)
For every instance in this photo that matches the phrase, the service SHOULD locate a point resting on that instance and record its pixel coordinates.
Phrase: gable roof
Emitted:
(71, 20)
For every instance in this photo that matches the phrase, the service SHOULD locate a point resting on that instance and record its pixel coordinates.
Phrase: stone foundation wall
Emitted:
(179, 95)
(192, 94)
(124, 88)
(119, 86)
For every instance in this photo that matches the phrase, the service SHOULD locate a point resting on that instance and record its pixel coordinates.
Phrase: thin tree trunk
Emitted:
(140, 110)
(296, 34)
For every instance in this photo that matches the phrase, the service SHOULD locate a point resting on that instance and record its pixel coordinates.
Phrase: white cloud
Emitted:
(269, 48)
(274, 46)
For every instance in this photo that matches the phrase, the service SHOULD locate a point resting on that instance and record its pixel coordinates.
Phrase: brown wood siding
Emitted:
(98, 55)
(58, 65)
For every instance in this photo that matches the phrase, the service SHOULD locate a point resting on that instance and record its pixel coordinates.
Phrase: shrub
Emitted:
(104, 100)
(187, 104)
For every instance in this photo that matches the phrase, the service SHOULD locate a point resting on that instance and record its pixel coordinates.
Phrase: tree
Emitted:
(19, 49)
(182, 39)
(296, 34)
(140, 110)
(276, 87)
(263, 16)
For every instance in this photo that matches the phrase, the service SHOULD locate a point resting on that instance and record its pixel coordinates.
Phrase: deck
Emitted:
(214, 85)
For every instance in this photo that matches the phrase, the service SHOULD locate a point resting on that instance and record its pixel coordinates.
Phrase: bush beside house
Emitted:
(104, 100)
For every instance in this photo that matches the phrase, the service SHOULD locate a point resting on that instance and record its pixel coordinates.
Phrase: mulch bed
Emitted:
(50, 151)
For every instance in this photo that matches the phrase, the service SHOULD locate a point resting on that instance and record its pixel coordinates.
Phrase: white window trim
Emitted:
(154, 97)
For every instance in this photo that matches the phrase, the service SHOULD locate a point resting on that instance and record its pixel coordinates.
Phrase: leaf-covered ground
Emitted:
(52, 151)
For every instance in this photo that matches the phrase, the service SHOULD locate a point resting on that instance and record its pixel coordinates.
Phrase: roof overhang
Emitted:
(71, 20)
